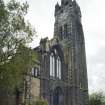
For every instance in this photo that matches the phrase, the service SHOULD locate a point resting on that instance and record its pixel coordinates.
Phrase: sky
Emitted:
(41, 16)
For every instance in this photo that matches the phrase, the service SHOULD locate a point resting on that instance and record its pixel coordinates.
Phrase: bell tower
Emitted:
(66, 16)
(69, 33)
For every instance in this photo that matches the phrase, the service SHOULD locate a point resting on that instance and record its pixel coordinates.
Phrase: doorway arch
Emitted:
(58, 97)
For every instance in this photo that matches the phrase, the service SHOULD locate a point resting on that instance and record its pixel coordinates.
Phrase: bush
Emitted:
(97, 98)
(40, 102)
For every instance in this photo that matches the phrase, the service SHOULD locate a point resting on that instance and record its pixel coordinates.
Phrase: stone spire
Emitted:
(57, 7)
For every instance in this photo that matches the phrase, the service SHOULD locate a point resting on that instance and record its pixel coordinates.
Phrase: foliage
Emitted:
(12, 72)
(15, 34)
(97, 98)
(40, 102)
(14, 30)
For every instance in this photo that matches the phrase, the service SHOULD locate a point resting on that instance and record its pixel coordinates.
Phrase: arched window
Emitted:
(52, 65)
(35, 72)
(58, 68)
(65, 31)
(61, 32)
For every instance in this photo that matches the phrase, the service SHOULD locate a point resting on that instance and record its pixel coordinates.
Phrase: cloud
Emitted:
(96, 70)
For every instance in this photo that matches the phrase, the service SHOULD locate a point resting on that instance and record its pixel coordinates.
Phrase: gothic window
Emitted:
(65, 31)
(80, 85)
(58, 68)
(35, 72)
(32, 71)
(52, 65)
(55, 51)
(71, 27)
(61, 32)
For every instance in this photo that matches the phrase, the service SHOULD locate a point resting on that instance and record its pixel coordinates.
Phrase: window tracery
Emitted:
(65, 31)
(35, 72)
(55, 65)
(52, 65)
(58, 67)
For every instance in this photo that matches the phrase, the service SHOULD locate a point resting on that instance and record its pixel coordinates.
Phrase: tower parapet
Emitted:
(65, 2)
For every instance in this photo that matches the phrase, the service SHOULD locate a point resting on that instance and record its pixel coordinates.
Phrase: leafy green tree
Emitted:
(12, 72)
(15, 34)
(97, 98)
(14, 30)
(16, 58)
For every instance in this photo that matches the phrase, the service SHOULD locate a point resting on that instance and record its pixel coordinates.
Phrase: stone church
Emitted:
(60, 72)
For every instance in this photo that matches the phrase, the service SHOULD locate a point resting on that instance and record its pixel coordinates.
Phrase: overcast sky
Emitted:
(41, 16)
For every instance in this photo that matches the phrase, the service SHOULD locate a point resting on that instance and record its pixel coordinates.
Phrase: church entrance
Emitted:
(58, 96)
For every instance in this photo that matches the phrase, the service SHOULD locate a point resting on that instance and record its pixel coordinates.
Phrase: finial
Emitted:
(57, 7)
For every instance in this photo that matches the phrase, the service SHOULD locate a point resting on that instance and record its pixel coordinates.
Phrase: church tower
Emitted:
(63, 71)
(69, 32)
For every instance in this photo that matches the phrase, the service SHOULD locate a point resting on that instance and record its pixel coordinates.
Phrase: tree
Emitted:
(12, 72)
(14, 30)
(15, 34)
(15, 57)
(97, 98)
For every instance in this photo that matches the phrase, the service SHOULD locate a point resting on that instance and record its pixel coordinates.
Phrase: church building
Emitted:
(60, 73)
